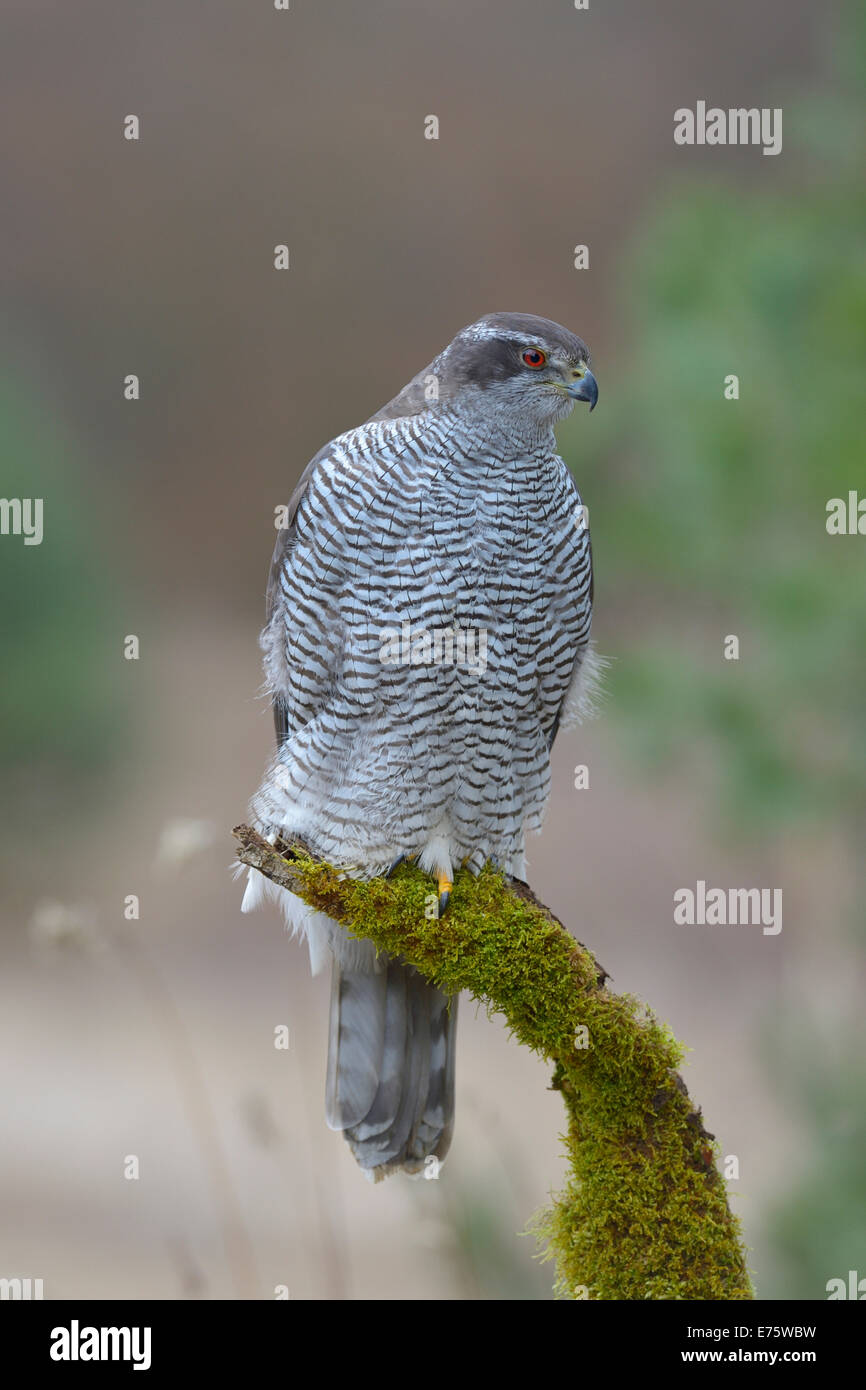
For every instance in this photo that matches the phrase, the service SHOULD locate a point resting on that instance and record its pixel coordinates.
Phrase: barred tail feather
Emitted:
(390, 1085)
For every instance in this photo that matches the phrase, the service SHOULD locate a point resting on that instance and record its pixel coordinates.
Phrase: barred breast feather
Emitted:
(412, 522)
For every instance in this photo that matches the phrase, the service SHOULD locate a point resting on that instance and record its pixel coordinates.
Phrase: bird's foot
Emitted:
(401, 859)
(445, 884)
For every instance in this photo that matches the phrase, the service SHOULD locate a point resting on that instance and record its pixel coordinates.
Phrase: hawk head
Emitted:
(520, 361)
(516, 366)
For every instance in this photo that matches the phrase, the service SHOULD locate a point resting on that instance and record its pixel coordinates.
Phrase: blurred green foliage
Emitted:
(717, 508)
(489, 1259)
(708, 517)
(60, 633)
(817, 1229)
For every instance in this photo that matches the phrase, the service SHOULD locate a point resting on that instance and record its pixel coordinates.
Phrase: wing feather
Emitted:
(276, 598)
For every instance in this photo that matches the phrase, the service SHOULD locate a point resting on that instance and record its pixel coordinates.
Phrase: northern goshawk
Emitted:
(428, 625)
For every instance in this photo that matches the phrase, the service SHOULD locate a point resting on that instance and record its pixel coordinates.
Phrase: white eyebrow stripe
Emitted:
(484, 332)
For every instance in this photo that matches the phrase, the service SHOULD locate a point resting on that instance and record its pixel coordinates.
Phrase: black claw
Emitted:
(444, 899)
(396, 864)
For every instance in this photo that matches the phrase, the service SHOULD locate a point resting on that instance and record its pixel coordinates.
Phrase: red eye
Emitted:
(534, 357)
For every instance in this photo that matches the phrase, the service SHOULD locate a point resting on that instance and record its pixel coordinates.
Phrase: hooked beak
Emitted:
(584, 389)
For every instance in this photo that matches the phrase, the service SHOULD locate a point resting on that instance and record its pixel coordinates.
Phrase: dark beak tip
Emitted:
(587, 390)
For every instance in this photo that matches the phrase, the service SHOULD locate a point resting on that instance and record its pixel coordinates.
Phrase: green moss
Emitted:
(645, 1212)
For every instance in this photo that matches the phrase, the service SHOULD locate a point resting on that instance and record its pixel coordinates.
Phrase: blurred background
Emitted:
(154, 1037)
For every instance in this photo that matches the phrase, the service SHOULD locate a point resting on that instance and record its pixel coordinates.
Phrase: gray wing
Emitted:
(280, 567)
(410, 401)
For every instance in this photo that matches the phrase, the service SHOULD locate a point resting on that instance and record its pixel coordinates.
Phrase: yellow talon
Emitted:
(445, 885)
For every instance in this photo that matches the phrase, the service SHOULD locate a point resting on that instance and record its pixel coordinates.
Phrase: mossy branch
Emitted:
(645, 1212)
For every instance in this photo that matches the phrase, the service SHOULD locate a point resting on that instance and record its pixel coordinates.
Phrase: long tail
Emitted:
(391, 1067)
